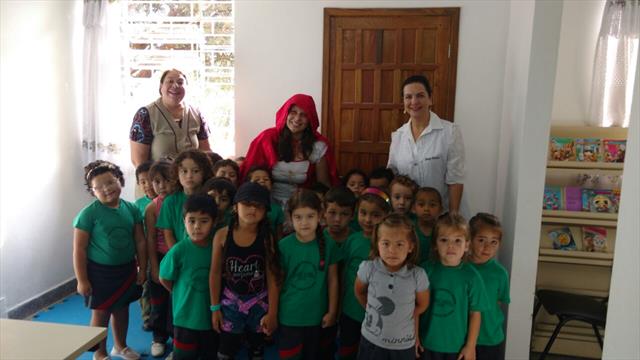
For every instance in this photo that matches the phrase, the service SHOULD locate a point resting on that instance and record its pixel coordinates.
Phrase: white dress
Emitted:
(287, 176)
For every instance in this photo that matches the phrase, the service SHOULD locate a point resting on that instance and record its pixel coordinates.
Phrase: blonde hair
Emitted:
(448, 221)
(397, 221)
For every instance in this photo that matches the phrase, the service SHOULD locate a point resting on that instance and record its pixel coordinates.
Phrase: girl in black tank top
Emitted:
(244, 275)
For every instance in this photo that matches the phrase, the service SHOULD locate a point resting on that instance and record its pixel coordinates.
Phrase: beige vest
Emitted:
(169, 138)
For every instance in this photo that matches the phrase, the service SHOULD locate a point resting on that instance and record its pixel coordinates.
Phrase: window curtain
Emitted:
(615, 64)
(105, 126)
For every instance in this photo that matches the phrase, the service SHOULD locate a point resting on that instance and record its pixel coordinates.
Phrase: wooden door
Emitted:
(367, 55)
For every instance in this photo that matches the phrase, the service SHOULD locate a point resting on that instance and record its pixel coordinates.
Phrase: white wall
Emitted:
(41, 173)
(534, 33)
(578, 36)
(279, 53)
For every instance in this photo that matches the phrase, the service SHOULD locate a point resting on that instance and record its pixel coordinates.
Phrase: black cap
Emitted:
(253, 192)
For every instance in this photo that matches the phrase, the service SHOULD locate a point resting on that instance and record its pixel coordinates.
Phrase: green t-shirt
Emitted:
(226, 219)
(455, 291)
(355, 251)
(142, 204)
(425, 242)
(187, 265)
(171, 218)
(111, 231)
(275, 215)
(496, 282)
(304, 295)
(339, 244)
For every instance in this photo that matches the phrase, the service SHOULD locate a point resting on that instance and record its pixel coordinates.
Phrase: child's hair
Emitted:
(100, 167)
(319, 188)
(404, 181)
(380, 173)
(453, 221)
(255, 168)
(481, 220)
(162, 168)
(345, 179)
(378, 197)
(213, 156)
(306, 198)
(430, 190)
(143, 168)
(220, 184)
(226, 162)
(397, 221)
(200, 203)
(240, 158)
(341, 196)
(200, 158)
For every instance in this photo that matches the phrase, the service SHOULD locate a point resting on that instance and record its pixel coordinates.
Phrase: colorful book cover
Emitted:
(599, 200)
(562, 149)
(573, 198)
(552, 198)
(594, 239)
(588, 150)
(562, 239)
(614, 150)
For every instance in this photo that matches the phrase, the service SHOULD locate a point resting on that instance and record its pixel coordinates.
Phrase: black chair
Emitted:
(568, 307)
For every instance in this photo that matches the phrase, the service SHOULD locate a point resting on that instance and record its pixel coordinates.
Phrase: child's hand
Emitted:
(84, 288)
(467, 353)
(141, 278)
(216, 321)
(268, 324)
(328, 320)
(419, 348)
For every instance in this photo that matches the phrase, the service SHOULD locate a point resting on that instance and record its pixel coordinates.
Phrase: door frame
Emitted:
(327, 56)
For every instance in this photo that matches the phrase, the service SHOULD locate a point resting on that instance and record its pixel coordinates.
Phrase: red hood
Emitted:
(303, 101)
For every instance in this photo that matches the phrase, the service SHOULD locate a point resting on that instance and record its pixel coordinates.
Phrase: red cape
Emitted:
(263, 149)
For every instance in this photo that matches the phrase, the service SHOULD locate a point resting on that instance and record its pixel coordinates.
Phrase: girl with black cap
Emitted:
(244, 275)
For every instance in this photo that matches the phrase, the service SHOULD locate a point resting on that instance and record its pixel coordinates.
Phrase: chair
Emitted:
(568, 307)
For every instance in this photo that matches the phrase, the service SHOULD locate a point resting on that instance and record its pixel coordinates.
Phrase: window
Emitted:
(196, 37)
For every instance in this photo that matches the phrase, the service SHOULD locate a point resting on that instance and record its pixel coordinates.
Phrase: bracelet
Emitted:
(214, 308)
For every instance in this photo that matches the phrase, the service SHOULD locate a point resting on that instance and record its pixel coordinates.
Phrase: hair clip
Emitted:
(376, 191)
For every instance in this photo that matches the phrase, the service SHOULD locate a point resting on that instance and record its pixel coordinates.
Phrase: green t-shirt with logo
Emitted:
(455, 291)
(355, 251)
(275, 215)
(111, 231)
(171, 218)
(304, 294)
(496, 282)
(187, 265)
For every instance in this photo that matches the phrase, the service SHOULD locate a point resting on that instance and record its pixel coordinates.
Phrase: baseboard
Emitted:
(44, 300)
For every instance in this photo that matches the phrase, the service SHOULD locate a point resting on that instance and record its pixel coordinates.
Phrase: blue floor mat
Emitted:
(72, 311)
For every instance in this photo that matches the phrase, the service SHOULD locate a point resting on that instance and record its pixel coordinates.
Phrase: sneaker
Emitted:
(157, 349)
(126, 353)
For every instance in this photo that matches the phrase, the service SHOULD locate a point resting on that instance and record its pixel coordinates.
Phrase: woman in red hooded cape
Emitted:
(295, 152)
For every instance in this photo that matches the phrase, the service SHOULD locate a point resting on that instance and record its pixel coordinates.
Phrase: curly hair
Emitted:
(199, 157)
(397, 222)
(100, 167)
(404, 181)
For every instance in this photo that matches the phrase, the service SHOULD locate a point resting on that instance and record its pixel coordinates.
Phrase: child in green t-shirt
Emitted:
(486, 236)
(309, 293)
(373, 206)
(107, 241)
(261, 175)
(184, 271)
(427, 207)
(144, 181)
(192, 168)
(449, 328)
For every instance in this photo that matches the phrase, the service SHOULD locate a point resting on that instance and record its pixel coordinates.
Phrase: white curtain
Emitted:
(105, 126)
(615, 64)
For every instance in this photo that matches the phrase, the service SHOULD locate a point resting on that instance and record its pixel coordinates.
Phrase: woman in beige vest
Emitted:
(168, 125)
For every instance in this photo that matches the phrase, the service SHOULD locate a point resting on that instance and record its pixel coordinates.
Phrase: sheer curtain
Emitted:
(105, 126)
(615, 64)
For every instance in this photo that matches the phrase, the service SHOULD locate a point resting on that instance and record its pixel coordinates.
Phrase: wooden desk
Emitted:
(21, 339)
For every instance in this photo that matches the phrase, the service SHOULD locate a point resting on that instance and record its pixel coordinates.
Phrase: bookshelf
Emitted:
(576, 271)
